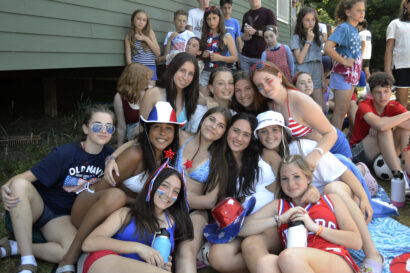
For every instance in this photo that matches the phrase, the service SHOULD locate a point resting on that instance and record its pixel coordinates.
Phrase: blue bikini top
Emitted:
(200, 174)
(128, 234)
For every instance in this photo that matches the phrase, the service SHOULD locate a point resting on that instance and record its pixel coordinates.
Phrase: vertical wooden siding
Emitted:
(43, 34)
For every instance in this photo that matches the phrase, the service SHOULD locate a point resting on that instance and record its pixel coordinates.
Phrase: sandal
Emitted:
(369, 179)
(65, 268)
(31, 267)
(371, 266)
(4, 242)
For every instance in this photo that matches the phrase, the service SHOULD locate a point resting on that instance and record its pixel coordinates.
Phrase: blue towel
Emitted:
(380, 207)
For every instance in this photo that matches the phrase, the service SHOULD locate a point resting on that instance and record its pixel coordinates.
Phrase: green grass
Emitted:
(54, 132)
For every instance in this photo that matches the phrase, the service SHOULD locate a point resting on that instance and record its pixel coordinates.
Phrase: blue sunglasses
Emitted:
(96, 127)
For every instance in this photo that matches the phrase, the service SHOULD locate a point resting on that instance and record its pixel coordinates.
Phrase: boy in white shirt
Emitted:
(177, 40)
(196, 16)
(366, 41)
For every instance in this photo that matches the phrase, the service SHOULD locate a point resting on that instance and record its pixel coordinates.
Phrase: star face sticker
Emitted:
(169, 153)
(188, 164)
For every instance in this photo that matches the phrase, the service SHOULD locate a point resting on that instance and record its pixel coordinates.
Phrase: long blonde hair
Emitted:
(287, 160)
(131, 33)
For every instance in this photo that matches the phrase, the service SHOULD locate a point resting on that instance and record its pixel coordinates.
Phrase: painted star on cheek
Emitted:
(169, 153)
(188, 164)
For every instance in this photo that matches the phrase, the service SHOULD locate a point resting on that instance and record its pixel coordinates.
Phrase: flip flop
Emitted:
(371, 266)
(369, 179)
(31, 267)
(4, 242)
(65, 268)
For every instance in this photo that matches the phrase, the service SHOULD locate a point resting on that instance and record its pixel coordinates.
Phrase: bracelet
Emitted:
(320, 230)
(110, 158)
(307, 42)
(319, 150)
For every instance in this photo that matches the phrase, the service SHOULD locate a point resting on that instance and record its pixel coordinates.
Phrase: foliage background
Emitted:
(379, 13)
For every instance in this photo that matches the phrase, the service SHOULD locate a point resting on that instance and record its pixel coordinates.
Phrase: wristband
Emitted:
(309, 43)
(320, 230)
(319, 150)
(110, 158)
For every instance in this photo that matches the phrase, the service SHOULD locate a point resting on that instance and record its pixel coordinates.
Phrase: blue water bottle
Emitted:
(162, 243)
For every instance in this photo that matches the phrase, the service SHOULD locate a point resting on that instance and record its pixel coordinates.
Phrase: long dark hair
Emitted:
(217, 164)
(191, 92)
(259, 101)
(147, 150)
(221, 27)
(248, 174)
(143, 213)
(301, 32)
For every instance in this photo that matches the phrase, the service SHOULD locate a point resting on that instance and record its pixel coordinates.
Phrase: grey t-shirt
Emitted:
(314, 53)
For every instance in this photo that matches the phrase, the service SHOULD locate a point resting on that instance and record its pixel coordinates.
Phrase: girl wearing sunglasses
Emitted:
(302, 115)
(43, 196)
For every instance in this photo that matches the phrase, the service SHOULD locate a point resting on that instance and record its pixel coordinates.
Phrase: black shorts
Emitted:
(46, 216)
(359, 155)
(366, 63)
(402, 77)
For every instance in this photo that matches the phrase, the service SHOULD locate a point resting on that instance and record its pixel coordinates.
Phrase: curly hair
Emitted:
(340, 12)
(133, 80)
(379, 79)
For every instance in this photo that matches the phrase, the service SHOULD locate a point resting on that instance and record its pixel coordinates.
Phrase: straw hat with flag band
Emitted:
(229, 215)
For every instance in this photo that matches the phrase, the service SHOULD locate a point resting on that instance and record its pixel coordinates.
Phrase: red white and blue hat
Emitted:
(163, 113)
(229, 215)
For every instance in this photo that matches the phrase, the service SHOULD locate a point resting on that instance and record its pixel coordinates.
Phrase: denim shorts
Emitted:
(337, 81)
(204, 78)
(154, 69)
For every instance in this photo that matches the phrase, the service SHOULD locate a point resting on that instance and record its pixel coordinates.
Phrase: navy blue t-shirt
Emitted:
(66, 170)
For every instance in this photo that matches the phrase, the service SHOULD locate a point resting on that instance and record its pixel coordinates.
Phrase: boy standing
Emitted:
(366, 42)
(195, 18)
(254, 20)
(231, 24)
(176, 40)
(381, 126)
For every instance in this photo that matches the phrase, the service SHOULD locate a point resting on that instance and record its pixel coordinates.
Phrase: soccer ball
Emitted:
(381, 169)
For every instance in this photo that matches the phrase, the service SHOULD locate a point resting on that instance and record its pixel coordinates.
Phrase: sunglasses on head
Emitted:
(96, 127)
(211, 8)
(256, 67)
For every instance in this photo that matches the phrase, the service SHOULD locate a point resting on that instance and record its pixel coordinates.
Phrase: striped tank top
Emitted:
(142, 57)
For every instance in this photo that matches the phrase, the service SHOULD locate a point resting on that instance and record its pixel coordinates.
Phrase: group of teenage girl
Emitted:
(255, 135)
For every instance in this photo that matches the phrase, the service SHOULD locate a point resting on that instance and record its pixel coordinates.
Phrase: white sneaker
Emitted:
(203, 253)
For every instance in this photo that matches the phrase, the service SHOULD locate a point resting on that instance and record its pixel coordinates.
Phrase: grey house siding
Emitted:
(47, 34)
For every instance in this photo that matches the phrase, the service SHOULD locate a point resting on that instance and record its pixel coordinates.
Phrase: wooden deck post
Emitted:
(50, 96)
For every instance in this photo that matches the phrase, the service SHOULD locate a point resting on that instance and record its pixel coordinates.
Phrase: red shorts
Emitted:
(93, 256)
(345, 255)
